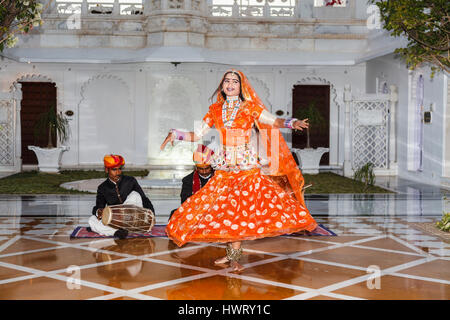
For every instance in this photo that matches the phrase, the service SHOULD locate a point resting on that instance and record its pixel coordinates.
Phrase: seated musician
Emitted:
(116, 189)
(200, 176)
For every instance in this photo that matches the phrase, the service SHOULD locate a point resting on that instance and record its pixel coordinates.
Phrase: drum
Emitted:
(129, 217)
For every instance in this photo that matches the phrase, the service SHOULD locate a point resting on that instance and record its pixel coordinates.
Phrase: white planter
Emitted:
(309, 159)
(49, 160)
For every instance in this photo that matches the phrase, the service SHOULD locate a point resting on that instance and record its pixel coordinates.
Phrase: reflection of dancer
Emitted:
(117, 189)
(197, 179)
(239, 202)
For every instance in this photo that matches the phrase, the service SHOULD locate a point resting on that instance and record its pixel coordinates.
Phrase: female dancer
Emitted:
(239, 202)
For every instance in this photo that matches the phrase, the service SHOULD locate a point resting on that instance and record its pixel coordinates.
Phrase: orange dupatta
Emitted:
(280, 158)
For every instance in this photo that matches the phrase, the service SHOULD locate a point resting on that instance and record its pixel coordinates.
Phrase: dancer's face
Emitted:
(231, 85)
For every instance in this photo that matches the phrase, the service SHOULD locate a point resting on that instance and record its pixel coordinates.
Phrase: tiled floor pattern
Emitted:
(371, 258)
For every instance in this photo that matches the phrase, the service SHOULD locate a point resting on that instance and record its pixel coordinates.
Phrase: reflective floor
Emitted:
(380, 252)
(371, 258)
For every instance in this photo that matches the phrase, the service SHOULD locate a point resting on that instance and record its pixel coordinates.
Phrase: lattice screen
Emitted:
(370, 138)
(6, 133)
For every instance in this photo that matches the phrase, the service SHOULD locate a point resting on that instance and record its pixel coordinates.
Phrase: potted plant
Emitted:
(309, 158)
(52, 124)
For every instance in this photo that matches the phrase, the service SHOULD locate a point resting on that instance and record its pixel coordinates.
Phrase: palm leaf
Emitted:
(53, 124)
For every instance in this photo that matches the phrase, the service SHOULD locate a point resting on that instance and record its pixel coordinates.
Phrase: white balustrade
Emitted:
(240, 8)
(131, 9)
(85, 7)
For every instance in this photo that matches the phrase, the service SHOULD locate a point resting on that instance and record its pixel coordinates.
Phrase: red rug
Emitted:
(321, 230)
(159, 231)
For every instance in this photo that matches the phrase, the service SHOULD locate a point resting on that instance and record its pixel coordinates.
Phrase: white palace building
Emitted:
(126, 71)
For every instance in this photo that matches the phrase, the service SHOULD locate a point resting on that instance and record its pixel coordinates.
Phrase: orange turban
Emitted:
(202, 156)
(113, 161)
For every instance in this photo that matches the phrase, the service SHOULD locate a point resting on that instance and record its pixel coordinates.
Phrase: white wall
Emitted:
(393, 71)
(446, 131)
(128, 108)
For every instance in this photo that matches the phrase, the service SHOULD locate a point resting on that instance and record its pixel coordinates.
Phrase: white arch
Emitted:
(265, 95)
(87, 115)
(31, 78)
(101, 77)
(168, 112)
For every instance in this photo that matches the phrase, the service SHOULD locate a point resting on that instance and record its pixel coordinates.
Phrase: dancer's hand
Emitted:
(170, 138)
(300, 124)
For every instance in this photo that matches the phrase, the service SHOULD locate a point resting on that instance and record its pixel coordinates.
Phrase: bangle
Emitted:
(289, 122)
(179, 135)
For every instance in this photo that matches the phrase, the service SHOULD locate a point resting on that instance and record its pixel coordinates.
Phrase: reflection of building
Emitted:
(127, 69)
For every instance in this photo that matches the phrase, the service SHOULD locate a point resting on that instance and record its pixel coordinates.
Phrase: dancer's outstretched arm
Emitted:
(175, 134)
(292, 123)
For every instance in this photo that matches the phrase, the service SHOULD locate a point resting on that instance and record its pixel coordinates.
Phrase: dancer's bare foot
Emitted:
(237, 266)
(221, 260)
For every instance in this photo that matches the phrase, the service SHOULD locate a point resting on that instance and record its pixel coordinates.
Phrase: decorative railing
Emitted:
(215, 8)
(263, 10)
(92, 8)
(240, 8)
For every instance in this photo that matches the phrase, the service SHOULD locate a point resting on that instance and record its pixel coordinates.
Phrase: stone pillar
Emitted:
(147, 7)
(116, 8)
(266, 11)
(187, 4)
(235, 10)
(84, 8)
(297, 9)
(164, 4)
(348, 170)
(392, 128)
(305, 9)
(17, 96)
(207, 7)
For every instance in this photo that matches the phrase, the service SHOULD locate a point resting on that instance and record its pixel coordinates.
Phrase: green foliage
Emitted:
(17, 16)
(34, 182)
(444, 224)
(54, 124)
(327, 182)
(426, 25)
(365, 175)
(315, 119)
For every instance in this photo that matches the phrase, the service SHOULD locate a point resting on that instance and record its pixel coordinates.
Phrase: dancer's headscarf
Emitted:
(281, 161)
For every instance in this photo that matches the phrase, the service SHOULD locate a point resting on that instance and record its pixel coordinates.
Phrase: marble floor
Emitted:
(379, 253)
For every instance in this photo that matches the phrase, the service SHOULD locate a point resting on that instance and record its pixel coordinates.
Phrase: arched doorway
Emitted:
(37, 98)
(318, 95)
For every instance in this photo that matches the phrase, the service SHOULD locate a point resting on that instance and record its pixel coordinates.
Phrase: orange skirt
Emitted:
(235, 206)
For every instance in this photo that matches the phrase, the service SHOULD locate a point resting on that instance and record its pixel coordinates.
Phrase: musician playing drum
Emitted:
(116, 189)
